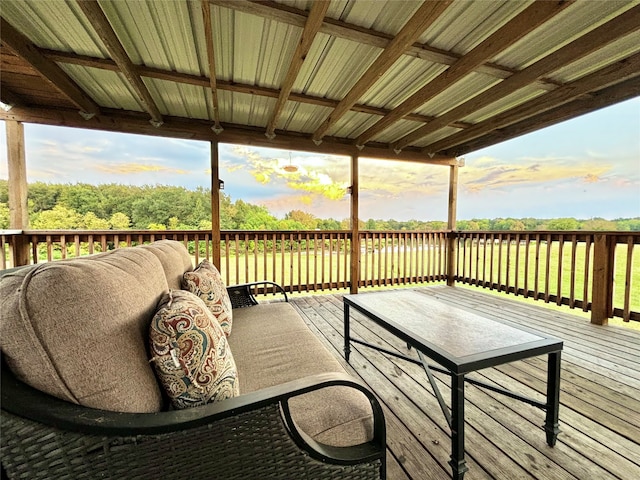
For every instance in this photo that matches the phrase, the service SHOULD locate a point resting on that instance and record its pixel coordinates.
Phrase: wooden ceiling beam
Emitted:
(424, 16)
(336, 28)
(208, 35)
(174, 127)
(201, 81)
(10, 98)
(586, 44)
(604, 98)
(51, 72)
(311, 27)
(519, 26)
(100, 23)
(598, 80)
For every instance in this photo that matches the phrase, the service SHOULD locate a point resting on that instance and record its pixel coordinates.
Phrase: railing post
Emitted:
(215, 206)
(451, 225)
(602, 280)
(355, 227)
(18, 212)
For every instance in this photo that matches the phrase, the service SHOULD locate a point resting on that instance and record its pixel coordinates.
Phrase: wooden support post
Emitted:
(451, 225)
(602, 279)
(215, 206)
(18, 212)
(355, 227)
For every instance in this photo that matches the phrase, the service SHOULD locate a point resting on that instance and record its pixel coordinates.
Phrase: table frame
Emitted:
(457, 370)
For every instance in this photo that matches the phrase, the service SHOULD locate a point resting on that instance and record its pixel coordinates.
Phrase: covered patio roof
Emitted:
(412, 80)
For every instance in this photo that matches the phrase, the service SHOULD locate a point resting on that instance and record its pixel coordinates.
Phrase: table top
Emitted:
(456, 338)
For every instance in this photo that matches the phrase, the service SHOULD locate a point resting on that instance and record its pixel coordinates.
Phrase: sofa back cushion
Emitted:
(175, 260)
(77, 329)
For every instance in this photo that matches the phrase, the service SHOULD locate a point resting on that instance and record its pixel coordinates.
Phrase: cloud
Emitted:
(493, 174)
(323, 175)
(130, 168)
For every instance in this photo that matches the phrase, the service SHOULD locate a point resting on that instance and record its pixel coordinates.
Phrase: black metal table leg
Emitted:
(347, 342)
(457, 462)
(553, 398)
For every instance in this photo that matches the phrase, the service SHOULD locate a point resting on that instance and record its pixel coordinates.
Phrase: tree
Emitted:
(4, 215)
(119, 221)
(563, 224)
(599, 224)
(58, 218)
(82, 197)
(91, 222)
(306, 220)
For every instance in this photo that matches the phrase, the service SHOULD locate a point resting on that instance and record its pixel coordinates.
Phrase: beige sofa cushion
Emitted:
(271, 345)
(175, 260)
(77, 329)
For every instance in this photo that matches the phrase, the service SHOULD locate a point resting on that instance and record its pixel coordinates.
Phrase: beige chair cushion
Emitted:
(77, 329)
(272, 345)
(175, 260)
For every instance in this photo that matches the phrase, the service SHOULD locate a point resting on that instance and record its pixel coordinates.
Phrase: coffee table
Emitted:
(460, 342)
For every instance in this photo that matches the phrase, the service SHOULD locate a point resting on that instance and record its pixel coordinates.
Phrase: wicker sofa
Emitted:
(80, 399)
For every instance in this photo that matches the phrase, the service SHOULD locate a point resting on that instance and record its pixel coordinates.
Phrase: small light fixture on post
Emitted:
(220, 184)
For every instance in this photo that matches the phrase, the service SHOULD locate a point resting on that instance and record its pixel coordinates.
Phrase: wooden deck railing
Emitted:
(592, 271)
(578, 269)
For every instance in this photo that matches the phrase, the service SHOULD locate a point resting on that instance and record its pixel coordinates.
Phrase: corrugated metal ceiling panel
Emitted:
(108, 89)
(612, 53)
(301, 117)
(382, 16)
(464, 24)
(401, 81)
(435, 136)
(505, 103)
(398, 130)
(65, 33)
(568, 25)
(180, 100)
(467, 88)
(320, 73)
(158, 34)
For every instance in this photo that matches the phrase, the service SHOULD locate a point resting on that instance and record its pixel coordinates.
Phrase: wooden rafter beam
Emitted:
(208, 35)
(586, 44)
(620, 71)
(27, 51)
(311, 27)
(100, 23)
(135, 122)
(336, 28)
(10, 98)
(514, 30)
(604, 98)
(201, 81)
(426, 14)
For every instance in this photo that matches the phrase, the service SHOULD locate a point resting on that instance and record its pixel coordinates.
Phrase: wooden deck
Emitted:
(600, 397)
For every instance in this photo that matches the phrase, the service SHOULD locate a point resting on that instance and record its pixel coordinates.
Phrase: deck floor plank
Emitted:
(600, 396)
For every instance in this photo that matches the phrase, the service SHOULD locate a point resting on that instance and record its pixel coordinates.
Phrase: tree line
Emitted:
(162, 207)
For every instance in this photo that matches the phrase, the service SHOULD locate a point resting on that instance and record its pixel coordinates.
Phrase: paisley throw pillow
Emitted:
(206, 282)
(190, 352)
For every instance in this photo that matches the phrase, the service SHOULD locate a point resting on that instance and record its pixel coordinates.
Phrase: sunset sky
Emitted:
(587, 167)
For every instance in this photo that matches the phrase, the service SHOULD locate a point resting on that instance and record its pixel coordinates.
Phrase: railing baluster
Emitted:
(626, 310)
(560, 262)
